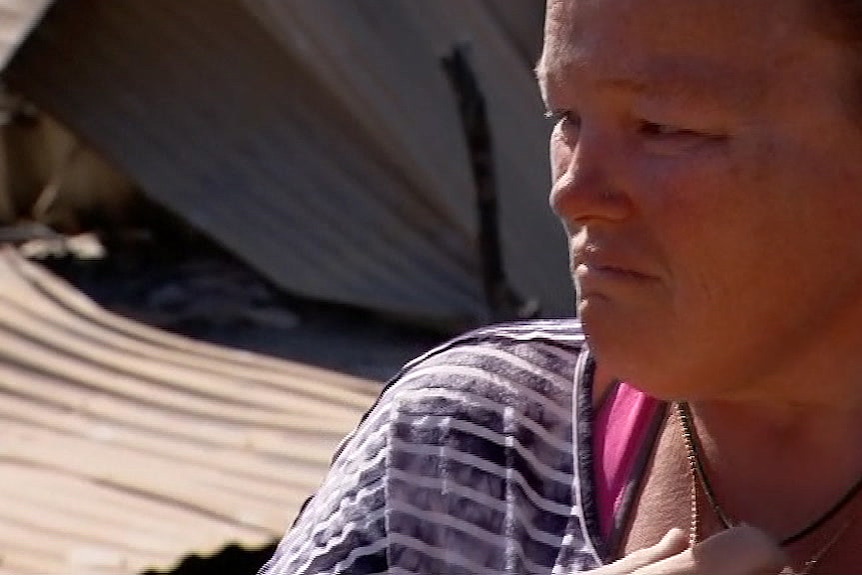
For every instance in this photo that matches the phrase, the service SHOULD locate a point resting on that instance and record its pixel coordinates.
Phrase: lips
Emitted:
(590, 266)
(592, 259)
(603, 260)
(604, 273)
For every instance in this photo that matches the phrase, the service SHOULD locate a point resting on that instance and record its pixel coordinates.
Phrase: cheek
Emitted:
(706, 217)
(731, 229)
(727, 187)
(682, 198)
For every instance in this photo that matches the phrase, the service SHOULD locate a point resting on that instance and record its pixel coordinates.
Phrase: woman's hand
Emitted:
(741, 550)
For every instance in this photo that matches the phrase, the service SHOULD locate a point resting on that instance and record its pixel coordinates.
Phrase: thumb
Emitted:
(673, 543)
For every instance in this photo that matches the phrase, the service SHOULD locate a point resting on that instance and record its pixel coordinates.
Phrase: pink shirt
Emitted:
(621, 428)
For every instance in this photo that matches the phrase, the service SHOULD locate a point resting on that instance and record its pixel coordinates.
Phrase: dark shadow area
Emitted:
(159, 271)
(232, 560)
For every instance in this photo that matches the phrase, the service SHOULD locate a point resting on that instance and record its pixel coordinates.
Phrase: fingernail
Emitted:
(676, 540)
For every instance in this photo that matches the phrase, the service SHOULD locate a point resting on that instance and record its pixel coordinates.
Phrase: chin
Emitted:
(640, 358)
(664, 390)
(661, 376)
(617, 338)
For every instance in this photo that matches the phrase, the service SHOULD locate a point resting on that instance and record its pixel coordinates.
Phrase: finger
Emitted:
(741, 550)
(674, 542)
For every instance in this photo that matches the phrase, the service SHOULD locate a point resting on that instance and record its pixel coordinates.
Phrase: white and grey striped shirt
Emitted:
(465, 465)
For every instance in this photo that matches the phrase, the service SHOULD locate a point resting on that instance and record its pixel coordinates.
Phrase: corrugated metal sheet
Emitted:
(317, 139)
(522, 22)
(125, 448)
(17, 18)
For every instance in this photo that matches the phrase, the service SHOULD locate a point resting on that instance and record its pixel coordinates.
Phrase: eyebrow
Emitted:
(684, 83)
(672, 87)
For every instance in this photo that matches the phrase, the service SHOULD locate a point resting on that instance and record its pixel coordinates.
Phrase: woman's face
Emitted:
(708, 170)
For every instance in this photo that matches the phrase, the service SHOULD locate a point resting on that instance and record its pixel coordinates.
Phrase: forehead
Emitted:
(723, 40)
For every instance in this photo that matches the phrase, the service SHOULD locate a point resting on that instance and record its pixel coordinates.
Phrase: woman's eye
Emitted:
(670, 139)
(667, 131)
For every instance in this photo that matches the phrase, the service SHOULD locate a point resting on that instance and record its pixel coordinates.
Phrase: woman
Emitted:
(705, 166)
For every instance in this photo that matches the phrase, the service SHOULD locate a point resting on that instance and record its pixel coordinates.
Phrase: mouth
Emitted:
(593, 268)
(596, 277)
(603, 263)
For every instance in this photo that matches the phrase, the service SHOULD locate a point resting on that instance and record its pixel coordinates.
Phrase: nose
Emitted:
(587, 180)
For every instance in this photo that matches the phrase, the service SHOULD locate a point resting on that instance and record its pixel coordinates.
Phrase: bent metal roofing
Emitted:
(126, 448)
(318, 140)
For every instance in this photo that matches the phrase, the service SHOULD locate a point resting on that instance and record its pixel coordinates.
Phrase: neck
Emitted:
(779, 465)
(808, 407)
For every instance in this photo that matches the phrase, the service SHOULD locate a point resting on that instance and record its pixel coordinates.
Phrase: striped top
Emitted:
(465, 465)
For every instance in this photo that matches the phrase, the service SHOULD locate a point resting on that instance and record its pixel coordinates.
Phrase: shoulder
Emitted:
(471, 435)
(564, 333)
(503, 361)
(512, 372)
(480, 430)
(526, 367)
(531, 345)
